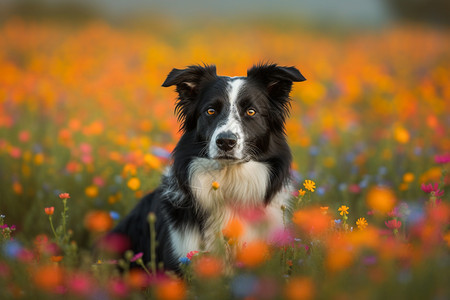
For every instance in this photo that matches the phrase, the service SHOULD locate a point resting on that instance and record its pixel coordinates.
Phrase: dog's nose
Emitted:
(226, 141)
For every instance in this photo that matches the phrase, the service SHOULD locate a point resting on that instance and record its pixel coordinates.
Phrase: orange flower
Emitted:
(49, 210)
(48, 277)
(56, 258)
(215, 185)
(91, 191)
(137, 278)
(253, 253)
(300, 288)
(208, 267)
(324, 209)
(171, 289)
(234, 229)
(401, 135)
(152, 161)
(301, 192)
(381, 199)
(98, 221)
(312, 220)
(340, 254)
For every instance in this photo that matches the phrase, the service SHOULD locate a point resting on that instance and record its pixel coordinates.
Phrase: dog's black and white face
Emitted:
(233, 119)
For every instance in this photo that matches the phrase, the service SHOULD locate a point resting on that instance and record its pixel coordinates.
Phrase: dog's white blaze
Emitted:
(233, 121)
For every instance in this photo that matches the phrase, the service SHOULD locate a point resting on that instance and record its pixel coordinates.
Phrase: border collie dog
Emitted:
(234, 135)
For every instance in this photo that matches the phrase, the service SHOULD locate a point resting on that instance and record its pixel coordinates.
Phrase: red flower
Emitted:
(191, 254)
(64, 196)
(49, 210)
(393, 224)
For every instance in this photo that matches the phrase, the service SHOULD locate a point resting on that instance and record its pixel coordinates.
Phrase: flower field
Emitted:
(86, 130)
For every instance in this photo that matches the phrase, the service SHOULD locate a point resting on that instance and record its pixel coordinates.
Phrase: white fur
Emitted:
(241, 184)
(233, 122)
(185, 240)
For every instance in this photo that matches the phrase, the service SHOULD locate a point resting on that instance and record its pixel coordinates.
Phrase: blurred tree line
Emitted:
(427, 11)
(430, 11)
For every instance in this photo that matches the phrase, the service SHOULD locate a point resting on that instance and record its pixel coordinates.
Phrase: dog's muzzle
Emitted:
(226, 141)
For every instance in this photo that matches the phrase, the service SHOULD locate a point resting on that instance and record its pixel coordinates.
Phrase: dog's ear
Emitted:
(188, 84)
(277, 80)
(188, 80)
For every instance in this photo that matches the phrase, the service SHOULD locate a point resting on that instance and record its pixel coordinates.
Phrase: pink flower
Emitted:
(137, 256)
(354, 188)
(118, 288)
(282, 238)
(24, 136)
(80, 284)
(98, 181)
(191, 254)
(393, 224)
(442, 159)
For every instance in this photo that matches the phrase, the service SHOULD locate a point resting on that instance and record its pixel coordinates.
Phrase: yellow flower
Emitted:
(361, 223)
(134, 183)
(401, 135)
(91, 191)
(343, 210)
(309, 185)
(301, 192)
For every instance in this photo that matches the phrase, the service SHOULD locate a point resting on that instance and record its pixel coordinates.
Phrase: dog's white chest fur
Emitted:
(242, 184)
(242, 187)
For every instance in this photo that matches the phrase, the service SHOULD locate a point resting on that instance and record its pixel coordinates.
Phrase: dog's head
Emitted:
(233, 118)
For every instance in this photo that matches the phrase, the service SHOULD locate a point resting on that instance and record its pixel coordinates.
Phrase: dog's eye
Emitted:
(211, 111)
(251, 112)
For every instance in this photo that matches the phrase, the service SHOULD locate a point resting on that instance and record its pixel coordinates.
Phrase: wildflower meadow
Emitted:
(86, 130)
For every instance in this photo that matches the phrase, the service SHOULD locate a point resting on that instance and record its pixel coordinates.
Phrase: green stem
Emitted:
(152, 221)
(53, 228)
(64, 217)
(141, 263)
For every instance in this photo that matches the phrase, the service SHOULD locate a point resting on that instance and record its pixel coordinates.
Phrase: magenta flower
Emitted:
(442, 159)
(432, 188)
(137, 256)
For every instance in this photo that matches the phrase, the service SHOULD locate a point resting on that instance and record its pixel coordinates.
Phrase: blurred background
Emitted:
(82, 109)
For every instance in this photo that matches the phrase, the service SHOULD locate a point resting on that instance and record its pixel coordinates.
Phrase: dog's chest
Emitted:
(242, 184)
(240, 195)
